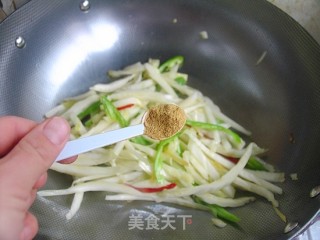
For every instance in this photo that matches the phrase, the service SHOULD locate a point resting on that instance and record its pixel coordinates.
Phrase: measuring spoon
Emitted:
(155, 120)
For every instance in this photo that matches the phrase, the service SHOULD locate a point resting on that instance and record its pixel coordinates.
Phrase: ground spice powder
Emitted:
(164, 121)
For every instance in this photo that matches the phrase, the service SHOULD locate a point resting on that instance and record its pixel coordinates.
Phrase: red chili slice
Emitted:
(153, 190)
(233, 159)
(125, 106)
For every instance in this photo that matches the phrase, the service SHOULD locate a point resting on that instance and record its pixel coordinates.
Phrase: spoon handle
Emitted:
(86, 144)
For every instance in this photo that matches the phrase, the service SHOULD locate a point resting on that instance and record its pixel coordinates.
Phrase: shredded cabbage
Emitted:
(201, 167)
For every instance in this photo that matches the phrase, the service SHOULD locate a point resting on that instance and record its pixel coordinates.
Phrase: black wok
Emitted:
(277, 99)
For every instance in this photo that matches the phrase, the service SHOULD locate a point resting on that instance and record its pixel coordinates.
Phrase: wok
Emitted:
(67, 50)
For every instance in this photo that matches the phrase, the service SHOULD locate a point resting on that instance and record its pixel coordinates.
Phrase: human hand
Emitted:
(27, 150)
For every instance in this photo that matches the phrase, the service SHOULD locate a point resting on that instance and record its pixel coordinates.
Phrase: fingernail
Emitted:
(27, 233)
(56, 130)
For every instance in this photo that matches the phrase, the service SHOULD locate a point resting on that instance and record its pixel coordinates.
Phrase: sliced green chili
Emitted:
(222, 213)
(217, 211)
(254, 164)
(93, 108)
(158, 160)
(181, 80)
(170, 63)
(158, 88)
(158, 163)
(88, 123)
(141, 140)
(179, 150)
(210, 126)
(112, 111)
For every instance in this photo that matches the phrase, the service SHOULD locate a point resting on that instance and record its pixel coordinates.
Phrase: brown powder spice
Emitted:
(163, 121)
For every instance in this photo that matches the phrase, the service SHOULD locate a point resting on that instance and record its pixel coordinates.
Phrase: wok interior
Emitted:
(276, 99)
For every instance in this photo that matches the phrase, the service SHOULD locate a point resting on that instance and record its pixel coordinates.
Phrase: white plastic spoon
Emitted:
(150, 124)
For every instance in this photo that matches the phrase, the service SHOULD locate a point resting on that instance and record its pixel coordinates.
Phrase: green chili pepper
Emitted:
(222, 213)
(93, 108)
(158, 163)
(217, 211)
(158, 88)
(112, 111)
(158, 160)
(210, 126)
(254, 164)
(141, 140)
(181, 80)
(180, 150)
(88, 123)
(170, 63)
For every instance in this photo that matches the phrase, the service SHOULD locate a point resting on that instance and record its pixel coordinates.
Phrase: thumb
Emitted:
(35, 152)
